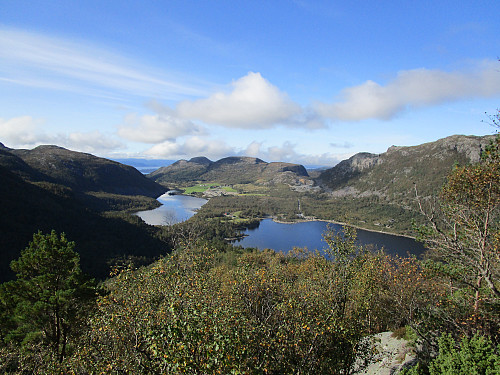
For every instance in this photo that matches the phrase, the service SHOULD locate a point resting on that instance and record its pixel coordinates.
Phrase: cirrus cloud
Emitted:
(56, 63)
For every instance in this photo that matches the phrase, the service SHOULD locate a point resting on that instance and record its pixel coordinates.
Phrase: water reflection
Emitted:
(174, 209)
(284, 237)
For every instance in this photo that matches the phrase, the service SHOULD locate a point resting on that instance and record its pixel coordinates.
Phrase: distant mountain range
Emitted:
(145, 166)
(389, 176)
(230, 170)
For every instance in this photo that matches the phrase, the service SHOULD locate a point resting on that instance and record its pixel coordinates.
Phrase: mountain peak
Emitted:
(240, 160)
(200, 160)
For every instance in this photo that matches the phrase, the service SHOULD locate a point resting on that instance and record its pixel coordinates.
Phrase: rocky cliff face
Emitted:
(392, 175)
(347, 170)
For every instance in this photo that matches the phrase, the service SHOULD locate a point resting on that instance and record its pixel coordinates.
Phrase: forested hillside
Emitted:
(81, 172)
(52, 188)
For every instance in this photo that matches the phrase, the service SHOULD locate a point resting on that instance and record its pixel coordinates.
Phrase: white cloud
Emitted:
(287, 153)
(217, 149)
(157, 128)
(19, 131)
(252, 103)
(25, 132)
(192, 146)
(37, 60)
(93, 142)
(413, 88)
(342, 145)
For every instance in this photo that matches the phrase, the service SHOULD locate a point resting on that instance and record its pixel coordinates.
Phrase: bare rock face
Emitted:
(392, 355)
(338, 176)
(392, 174)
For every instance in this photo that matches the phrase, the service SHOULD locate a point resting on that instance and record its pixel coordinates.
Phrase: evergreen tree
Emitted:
(48, 302)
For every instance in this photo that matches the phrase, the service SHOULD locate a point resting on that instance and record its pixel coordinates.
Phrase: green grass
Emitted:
(200, 188)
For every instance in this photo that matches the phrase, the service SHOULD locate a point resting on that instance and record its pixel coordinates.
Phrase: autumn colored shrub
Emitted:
(268, 313)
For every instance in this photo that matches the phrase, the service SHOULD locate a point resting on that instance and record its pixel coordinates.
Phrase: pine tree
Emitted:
(48, 302)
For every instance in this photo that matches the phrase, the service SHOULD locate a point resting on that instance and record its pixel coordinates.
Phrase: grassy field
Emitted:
(200, 188)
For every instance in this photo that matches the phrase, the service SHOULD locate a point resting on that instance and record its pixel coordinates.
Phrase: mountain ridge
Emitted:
(393, 173)
(230, 170)
(80, 171)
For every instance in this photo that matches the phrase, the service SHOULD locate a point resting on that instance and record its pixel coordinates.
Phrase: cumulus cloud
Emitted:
(25, 132)
(157, 128)
(192, 146)
(93, 142)
(19, 131)
(287, 152)
(413, 88)
(252, 103)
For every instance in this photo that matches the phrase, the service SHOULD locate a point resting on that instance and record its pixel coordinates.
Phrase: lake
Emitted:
(283, 237)
(277, 236)
(174, 209)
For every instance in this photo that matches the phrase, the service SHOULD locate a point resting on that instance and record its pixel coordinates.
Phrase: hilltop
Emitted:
(377, 191)
(79, 171)
(391, 176)
(231, 170)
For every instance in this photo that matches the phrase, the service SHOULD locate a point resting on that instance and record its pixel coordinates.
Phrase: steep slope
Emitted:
(84, 172)
(392, 175)
(26, 208)
(230, 170)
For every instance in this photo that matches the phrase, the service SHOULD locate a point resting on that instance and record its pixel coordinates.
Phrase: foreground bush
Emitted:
(477, 356)
(270, 313)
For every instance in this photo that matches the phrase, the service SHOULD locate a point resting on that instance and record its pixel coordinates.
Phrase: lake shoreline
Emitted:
(280, 236)
(276, 220)
(175, 192)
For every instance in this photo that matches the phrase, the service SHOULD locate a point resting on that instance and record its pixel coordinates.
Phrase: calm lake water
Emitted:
(174, 209)
(283, 237)
(277, 236)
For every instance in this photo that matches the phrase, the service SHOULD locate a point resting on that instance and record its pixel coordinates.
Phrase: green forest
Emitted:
(210, 308)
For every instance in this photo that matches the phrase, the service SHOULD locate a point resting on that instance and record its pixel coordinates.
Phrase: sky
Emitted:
(309, 82)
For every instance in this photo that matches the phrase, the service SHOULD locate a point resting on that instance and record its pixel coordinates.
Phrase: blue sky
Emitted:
(310, 82)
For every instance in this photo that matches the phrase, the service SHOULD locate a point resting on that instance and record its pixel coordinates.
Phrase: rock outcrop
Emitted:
(392, 175)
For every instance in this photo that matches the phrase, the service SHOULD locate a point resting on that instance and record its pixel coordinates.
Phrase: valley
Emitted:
(183, 286)
(53, 188)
